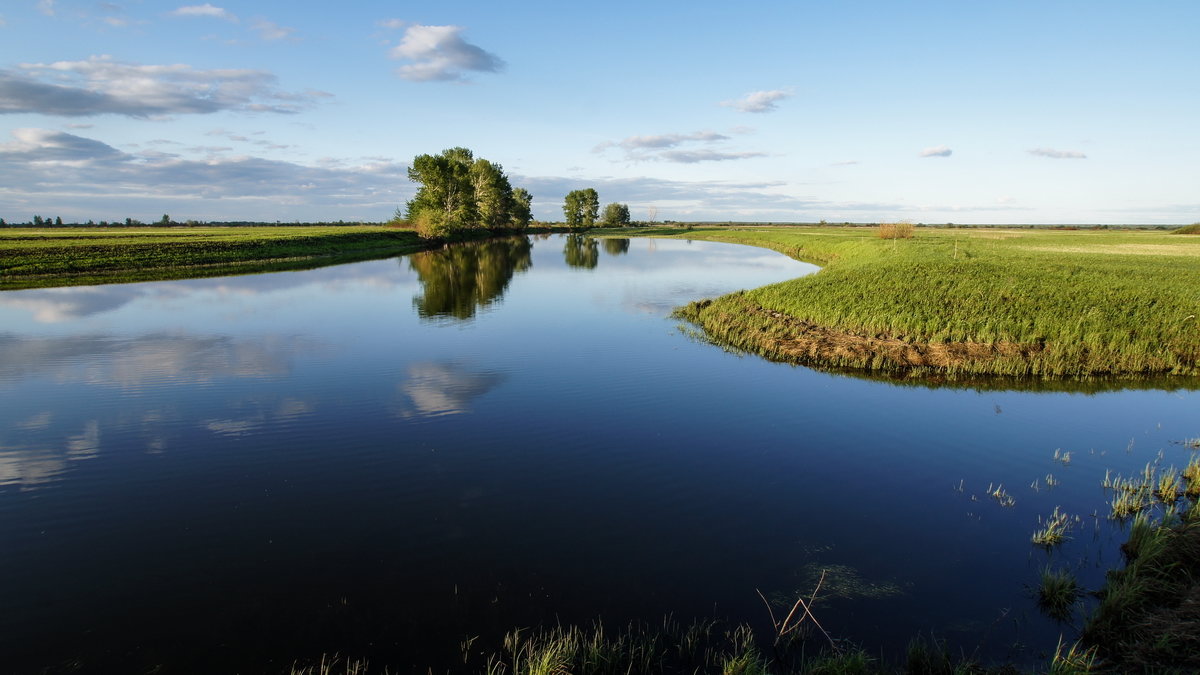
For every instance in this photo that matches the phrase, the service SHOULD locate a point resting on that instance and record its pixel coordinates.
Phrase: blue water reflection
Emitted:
(386, 457)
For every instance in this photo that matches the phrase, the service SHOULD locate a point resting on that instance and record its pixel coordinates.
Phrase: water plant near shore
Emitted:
(1002, 497)
(1053, 530)
(1147, 616)
(1057, 592)
(1191, 478)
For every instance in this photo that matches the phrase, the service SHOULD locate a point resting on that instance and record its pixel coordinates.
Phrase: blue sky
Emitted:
(968, 112)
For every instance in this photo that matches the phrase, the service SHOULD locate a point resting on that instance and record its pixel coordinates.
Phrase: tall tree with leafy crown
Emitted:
(581, 208)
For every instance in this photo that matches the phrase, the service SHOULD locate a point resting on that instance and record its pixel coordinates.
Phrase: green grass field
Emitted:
(957, 302)
(65, 256)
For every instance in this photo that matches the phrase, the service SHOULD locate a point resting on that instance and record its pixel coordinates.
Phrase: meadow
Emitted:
(42, 257)
(966, 302)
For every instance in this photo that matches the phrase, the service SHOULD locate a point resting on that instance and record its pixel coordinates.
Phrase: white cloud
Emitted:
(694, 156)
(671, 140)
(268, 30)
(2, 22)
(663, 140)
(46, 7)
(1057, 154)
(439, 54)
(938, 151)
(665, 147)
(46, 145)
(849, 162)
(101, 85)
(205, 10)
(240, 138)
(95, 180)
(390, 23)
(759, 101)
(726, 200)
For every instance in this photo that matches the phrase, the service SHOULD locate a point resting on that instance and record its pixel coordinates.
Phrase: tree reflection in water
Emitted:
(459, 278)
(613, 246)
(581, 251)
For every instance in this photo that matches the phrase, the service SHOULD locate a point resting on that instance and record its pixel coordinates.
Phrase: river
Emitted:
(385, 458)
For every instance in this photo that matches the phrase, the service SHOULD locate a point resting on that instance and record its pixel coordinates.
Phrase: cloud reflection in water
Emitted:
(29, 464)
(434, 389)
(137, 361)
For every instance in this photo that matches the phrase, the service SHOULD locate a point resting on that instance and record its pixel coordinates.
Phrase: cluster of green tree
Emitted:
(582, 207)
(459, 192)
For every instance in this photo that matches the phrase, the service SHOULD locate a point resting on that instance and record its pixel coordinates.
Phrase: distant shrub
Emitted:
(901, 230)
(1194, 228)
(429, 225)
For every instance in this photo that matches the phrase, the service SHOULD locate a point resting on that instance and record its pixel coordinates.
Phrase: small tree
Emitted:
(522, 208)
(493, 194)
(58, 220)
(445, 201)
(37, 220)
(616, 215)
(166, 220)
(581, 207)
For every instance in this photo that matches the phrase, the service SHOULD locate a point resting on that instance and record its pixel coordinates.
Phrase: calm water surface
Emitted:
(385, 458)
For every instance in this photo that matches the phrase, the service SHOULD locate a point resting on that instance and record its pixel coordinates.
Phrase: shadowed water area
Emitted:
(386, 458)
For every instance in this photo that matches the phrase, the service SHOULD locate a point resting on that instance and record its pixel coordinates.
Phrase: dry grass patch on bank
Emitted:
(901, 230)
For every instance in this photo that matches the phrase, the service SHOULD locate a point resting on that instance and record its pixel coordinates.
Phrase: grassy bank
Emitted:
(68, 256)
(962, 302)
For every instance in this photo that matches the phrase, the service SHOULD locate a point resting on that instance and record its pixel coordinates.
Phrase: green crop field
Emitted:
(63, 256)
(970, 301)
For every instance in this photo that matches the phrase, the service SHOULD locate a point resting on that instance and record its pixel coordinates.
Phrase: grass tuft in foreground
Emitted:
(1074, 660)
(1057, 592)
(332, 665)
